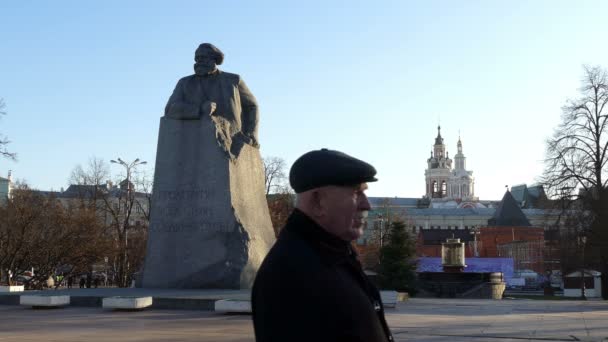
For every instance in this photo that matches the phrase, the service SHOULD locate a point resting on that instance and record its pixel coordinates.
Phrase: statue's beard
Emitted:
(204, 69)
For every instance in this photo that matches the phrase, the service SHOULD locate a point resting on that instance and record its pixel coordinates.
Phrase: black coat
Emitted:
(311, 287)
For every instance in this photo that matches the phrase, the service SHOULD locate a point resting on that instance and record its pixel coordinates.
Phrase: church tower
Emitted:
(438, 172)
(462, 182)
(459, 159)
(447, 187)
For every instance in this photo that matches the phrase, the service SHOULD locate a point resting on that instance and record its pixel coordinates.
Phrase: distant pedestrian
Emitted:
(70, 281)
(59, 281)
(82, 282)
(89, 280)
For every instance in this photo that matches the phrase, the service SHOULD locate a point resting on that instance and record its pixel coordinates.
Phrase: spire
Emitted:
(460, 158)
(459, 144)
(439, 139)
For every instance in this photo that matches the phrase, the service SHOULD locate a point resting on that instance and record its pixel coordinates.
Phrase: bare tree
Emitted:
(274, 175)
(378, 233)
(123, 210)
(3, 140)
(143, 181)
(280, 206)
(280, 197)
(90, 183)
(38, 232)
(576, 163)
(97, 172)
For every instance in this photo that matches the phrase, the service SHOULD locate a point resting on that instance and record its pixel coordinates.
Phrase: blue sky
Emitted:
(373, 79)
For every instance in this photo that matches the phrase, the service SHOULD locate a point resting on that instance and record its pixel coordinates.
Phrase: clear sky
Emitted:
(373, 79)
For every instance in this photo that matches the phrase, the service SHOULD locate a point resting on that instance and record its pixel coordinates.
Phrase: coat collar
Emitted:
(327, 243)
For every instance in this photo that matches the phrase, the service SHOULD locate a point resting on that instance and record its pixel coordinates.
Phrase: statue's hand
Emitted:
(246, 139)
(208, 108)
(253, 142)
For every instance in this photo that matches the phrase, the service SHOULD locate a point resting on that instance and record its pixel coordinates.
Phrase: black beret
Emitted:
(326, 167)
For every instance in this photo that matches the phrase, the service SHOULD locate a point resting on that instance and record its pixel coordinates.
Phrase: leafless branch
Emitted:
(3, 140)
(274, 174)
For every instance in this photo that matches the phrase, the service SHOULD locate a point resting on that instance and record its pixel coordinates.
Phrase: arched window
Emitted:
(444, 189)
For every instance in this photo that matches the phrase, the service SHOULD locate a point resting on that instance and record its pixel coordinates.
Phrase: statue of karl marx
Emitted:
(222, 96)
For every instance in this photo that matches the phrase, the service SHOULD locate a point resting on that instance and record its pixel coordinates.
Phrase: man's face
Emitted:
(345, 210)
(205, 62)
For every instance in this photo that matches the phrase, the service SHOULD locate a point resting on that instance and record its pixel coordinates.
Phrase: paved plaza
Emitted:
(415, 320)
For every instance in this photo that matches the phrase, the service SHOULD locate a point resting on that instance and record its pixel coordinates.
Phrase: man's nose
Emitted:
(364, 203)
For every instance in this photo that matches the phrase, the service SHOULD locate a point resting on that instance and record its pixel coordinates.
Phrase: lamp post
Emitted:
(380, 219)
(475, 231)
(105, 276)
(583, 240)
(129, 167)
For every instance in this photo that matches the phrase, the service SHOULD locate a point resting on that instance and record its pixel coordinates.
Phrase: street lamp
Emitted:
(105, 276)
(475, 232)
(583, 241)
(380, 219)
(129, 167)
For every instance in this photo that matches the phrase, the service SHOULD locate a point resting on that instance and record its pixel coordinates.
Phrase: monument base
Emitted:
(209, 225)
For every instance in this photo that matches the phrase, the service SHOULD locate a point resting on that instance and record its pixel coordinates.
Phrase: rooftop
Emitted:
(509, 214)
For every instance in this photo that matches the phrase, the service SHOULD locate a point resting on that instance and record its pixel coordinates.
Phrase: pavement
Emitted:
(415, 320)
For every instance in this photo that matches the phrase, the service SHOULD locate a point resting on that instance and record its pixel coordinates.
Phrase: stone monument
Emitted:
(452, 255)
(454, 282)
(209, 224)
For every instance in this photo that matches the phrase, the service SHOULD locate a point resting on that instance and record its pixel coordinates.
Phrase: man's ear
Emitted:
(316, 203)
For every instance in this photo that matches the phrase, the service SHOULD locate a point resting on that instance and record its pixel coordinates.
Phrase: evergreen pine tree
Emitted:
(397, 269)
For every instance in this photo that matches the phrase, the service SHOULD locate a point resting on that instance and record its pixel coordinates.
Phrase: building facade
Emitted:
(6, 187)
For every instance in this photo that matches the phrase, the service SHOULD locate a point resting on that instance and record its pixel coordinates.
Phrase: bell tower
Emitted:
(438, 170)
(459, 159)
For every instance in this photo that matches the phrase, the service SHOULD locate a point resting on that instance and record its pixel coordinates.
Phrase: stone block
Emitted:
(13, 288)
(402, 296)
(44, 301)
(127, 303)
(233, 306)
(389, 298)
(209, 225)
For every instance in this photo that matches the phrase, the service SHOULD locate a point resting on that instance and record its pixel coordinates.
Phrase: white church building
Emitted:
(448, 187)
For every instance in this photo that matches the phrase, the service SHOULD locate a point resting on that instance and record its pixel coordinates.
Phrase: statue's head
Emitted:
(207, 58)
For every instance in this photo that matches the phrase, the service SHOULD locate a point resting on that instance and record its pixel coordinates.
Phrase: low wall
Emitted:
(487, 285)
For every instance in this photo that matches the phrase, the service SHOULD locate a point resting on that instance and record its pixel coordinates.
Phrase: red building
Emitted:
(509, 234)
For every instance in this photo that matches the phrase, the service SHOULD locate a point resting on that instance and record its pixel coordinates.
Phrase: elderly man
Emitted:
(220, 95)
(311, 287)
